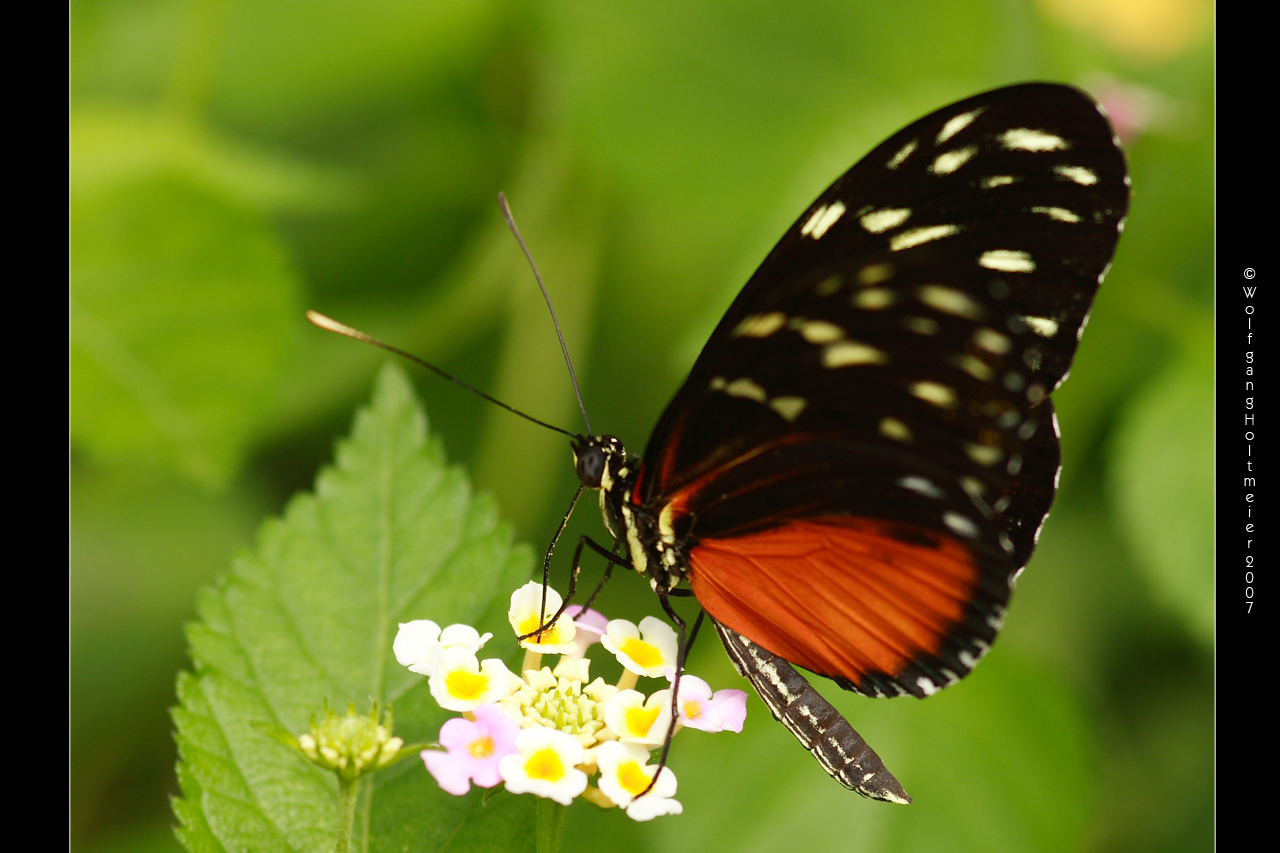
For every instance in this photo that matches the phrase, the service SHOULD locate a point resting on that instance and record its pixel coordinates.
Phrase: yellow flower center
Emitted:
(545, 764)
(632, 778)
(693, 709)
(465, 685)
(553, 636)
(644, 654)
(481, 747)
(640, 720)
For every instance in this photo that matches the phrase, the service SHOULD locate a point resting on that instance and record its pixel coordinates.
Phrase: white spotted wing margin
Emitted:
(813, 720)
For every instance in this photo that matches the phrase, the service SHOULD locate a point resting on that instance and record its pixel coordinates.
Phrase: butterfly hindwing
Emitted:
(875, 401)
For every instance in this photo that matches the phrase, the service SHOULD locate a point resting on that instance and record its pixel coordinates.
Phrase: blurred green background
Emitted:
(233, 163)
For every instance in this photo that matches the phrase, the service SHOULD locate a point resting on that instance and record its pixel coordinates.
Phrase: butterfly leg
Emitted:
(604, 579)
(682, 650)
(546, 560)
(574, 572)
(813, 720)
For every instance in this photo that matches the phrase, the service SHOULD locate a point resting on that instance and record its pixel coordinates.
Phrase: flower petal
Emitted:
(526, 614)
(625, 773)
(414, 643)
(545, 764)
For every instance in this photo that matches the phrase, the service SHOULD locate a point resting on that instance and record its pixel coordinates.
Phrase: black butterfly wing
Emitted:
(862, 455)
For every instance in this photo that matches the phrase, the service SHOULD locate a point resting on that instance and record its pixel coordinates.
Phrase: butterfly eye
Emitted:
(591, 467)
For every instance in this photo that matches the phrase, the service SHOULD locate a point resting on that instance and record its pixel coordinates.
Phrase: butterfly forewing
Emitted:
(873, 408)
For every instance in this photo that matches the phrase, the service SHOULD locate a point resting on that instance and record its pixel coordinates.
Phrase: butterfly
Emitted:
(859, 463)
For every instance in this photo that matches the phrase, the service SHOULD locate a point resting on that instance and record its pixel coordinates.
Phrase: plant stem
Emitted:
(346, 812)
(550, 822)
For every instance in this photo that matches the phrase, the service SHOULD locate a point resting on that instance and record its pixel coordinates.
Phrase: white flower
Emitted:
(649, 656)
(414, 643)
(417, 642)
(526, 614)
(545, 764)
(460, 682)
(624, 774)
(635, 720)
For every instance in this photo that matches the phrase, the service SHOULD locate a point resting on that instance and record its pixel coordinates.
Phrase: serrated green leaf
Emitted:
(391, 534)
(1162, 483)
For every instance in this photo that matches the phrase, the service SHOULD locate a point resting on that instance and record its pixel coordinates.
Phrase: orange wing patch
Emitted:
(841, 596)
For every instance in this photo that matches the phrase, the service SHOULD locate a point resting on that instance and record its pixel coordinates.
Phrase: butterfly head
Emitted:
(599, 460)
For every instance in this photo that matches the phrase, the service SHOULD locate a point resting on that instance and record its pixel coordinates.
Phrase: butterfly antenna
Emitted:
(511, 223)
(341, 329)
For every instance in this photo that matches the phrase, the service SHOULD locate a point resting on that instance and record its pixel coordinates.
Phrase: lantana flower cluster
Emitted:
(548, 731)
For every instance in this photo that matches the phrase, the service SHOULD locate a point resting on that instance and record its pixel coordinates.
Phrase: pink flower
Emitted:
(472, 750)
(699, 709)
(590, 625)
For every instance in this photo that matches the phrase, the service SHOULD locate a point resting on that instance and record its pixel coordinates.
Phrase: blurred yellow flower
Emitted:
(1140, 29)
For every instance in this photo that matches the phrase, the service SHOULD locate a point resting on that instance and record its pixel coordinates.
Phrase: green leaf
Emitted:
(391, 534)
(182, 309)
(1161, 476)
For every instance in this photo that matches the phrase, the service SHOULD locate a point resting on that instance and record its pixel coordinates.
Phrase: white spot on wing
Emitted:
(875, 273)
(926, 686)
(789, 407)
(922, 485)
(1061, 214)
(823, 218)
(828, 285)
(1079, 174)
(1007, 260)
(933, 392)
(760, 325)
(982, 454)
(1005, 542)
(873, 299)
(921, 325)
(947, 163)
(820, 331)
(846, 353)
(747, 389)
(997, 181)
(895, 429)
(916, 236)
(960, 524)
(880, 221)
(992, 341)
(903, 153)
(1026, 139)
(975, 367)
(950, 301)
(957, 124)
(1045, 327)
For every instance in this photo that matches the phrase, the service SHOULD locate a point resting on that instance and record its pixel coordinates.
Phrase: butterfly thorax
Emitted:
(603, 463)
